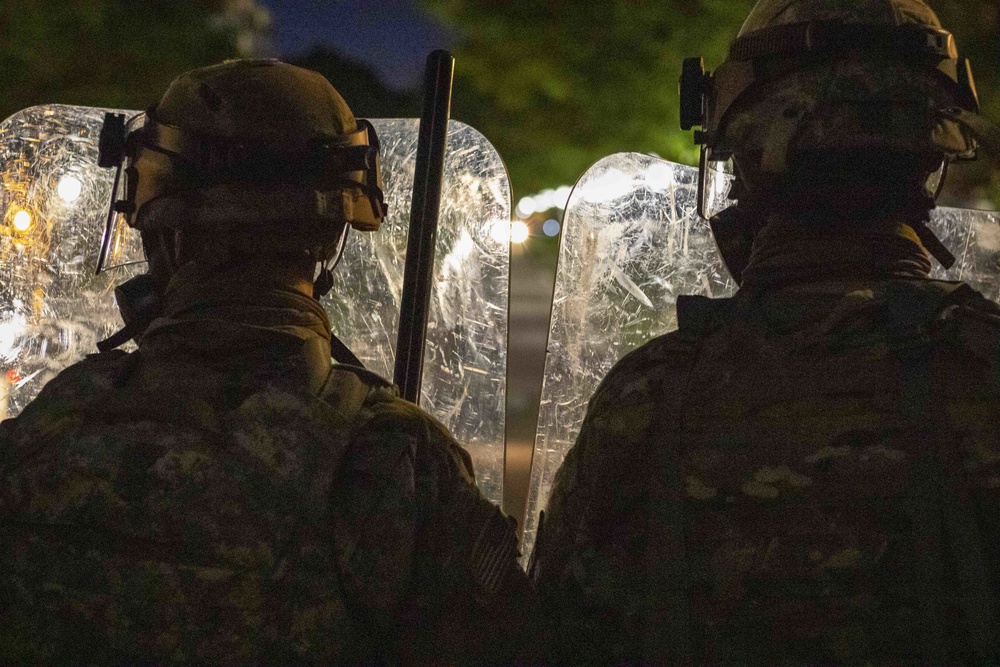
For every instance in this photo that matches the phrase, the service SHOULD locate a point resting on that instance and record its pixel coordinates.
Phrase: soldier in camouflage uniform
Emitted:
(224, 494)
(809, 472)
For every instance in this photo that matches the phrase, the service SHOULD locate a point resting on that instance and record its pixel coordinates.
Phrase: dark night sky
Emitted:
(392, 36)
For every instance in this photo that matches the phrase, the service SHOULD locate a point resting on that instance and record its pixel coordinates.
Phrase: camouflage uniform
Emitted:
(224, 495)
(809, 472)
(830, 497)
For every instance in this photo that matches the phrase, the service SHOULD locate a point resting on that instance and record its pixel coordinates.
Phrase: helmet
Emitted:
(257, 145)
(875, 82)
(885, 91)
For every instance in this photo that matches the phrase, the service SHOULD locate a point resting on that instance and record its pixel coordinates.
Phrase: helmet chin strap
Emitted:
(734, 230)
(324, 279)
(321, 287)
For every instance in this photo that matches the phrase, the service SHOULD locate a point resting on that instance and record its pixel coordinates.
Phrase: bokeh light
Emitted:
(22, 221)
(518, 231)
(526, 206)
(545, 200)
(69, 188)
(500, 231)
(551, 227)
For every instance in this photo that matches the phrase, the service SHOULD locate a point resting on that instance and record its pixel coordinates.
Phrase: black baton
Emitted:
(418, 274)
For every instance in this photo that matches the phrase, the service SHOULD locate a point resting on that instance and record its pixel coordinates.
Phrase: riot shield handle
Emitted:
(418, 273)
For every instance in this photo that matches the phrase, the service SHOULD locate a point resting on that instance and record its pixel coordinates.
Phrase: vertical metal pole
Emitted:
(418, 273)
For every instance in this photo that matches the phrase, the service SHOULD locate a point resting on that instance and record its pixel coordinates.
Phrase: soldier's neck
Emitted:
(242, 294)
(790, 250)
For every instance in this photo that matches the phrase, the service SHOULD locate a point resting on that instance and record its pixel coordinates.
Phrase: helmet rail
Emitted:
(767, 54)
(345, 161)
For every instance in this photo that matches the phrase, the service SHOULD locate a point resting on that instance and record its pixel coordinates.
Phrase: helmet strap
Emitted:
(324, 281)
(933, 244)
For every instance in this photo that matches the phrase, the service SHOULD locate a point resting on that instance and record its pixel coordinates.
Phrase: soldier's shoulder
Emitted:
(970, 322)
(629, 401)
(387, 423)
(637, 376)
(66, 396)
(623, 409)
(93, 375)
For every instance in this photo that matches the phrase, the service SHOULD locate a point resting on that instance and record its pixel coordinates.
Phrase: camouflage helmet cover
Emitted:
(275, 113)
(771, 13)
(857, 99)
(263, 101)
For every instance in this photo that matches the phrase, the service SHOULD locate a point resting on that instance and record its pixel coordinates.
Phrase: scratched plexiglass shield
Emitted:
(53, 309)
(632, 242)
(465, 358)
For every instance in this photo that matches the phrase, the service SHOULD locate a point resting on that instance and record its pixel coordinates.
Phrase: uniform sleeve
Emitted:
(434, 562)
(374, 522)
(473, 596)
(588, 563)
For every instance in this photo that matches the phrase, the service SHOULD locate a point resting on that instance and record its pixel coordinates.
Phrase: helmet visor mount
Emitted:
(174, 160)
(769, 54)
(117, 142)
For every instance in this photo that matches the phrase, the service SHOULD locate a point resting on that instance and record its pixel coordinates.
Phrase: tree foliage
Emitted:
(558, 84)
(110, 53)
(361, 87)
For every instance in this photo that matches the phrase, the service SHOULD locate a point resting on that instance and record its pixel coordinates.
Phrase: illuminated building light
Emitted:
(465, 246)
(551, 227)
(518, 231)
(22, 221)
(69, 188)
(11, 331)
(526, 206)
(460, 252)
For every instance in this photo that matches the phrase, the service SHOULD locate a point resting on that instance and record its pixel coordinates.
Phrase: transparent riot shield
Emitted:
(53, 309)
(632, 242)
(465, 356)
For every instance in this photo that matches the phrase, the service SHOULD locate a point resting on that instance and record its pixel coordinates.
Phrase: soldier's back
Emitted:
(146, 522)
(155, 512)
(800, 475)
